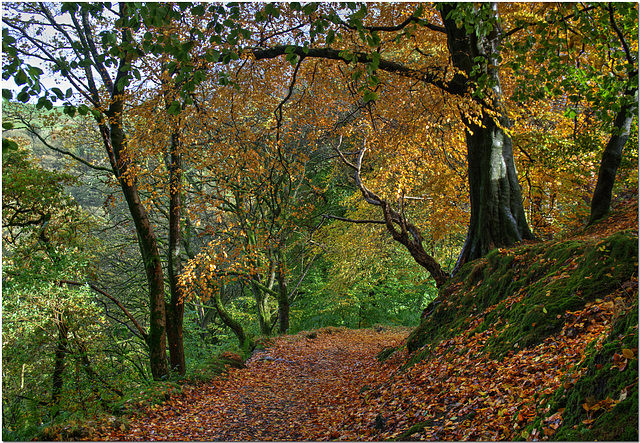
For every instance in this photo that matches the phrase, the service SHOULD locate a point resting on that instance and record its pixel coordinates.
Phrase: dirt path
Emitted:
(298, 389)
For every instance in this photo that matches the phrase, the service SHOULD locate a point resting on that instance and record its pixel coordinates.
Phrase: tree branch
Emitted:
(350, 220)
(278, 111)
(526, 25)
(33, 131)
(623, 41)
(433, 75)
(408, 235)
(110, 297)
(398, 27)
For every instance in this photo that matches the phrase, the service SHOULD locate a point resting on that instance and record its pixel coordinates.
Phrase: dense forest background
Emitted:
(205, 176)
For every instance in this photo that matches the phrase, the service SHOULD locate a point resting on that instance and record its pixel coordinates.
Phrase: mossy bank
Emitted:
(526, 294)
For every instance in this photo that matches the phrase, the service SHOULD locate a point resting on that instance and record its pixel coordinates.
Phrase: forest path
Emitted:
(300, 388)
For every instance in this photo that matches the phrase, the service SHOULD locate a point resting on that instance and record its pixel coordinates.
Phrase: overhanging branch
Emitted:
(350, 220)
(433, 75)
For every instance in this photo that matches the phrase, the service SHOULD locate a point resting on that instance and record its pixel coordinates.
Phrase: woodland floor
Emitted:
(328, 385)
(295, 390)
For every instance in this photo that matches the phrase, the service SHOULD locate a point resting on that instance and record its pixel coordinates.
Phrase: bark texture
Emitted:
(59, 365)
(114, 139)
(283, 298)
(497, 213)
(175, 308)
(236, 327)
(611, 157)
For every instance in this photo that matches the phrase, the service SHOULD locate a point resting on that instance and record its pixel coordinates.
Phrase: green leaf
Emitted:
(370, 96)
(373, 40)
(292, 58)
(58, 93)
(570, 113)
(8, 145)
(331, 36)
(23, 96)
(83, 110)
(310, 8)
(174, 108)
(272, 10)
(20, 78)
(70, 110)
(7, 125)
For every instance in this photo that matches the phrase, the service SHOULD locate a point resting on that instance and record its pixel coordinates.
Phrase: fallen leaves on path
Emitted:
(328, 385)
(298, 389)
(331, 387)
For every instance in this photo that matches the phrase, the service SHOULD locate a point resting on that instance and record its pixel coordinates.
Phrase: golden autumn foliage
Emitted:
(238, 138)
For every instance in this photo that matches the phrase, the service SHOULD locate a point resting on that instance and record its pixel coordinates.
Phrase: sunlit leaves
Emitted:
(586, 51)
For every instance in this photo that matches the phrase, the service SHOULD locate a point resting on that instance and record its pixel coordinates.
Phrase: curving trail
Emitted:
(300, 388)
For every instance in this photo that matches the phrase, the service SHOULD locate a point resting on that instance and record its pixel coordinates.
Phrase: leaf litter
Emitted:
(332, 387)
(328, 385)
(298, 389)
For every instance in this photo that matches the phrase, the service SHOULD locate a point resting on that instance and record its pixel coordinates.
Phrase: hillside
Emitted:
(536, 342)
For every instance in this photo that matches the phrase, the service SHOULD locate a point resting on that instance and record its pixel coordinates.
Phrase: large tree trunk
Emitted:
(114, 140)
(611, 157)
(147, 243)
(153, 269)
(497, 213)
(175, 309)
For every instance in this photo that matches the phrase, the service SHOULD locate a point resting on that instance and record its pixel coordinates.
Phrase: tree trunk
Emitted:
(283, 298)
(262, 299)
(113, 135)
(236, 327)
(148, 249)
(175, 309)
(611, 157)
(58, 369)
(497, 213)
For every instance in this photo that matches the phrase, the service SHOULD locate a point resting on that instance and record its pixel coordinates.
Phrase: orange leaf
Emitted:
(628, 353)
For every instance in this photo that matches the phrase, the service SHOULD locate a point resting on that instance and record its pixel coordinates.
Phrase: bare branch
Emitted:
(408, 235)
(342, 157)
(278, 111)
(113, 299)
(350, 220)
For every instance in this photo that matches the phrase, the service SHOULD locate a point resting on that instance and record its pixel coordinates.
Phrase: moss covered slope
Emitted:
(581, 293)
